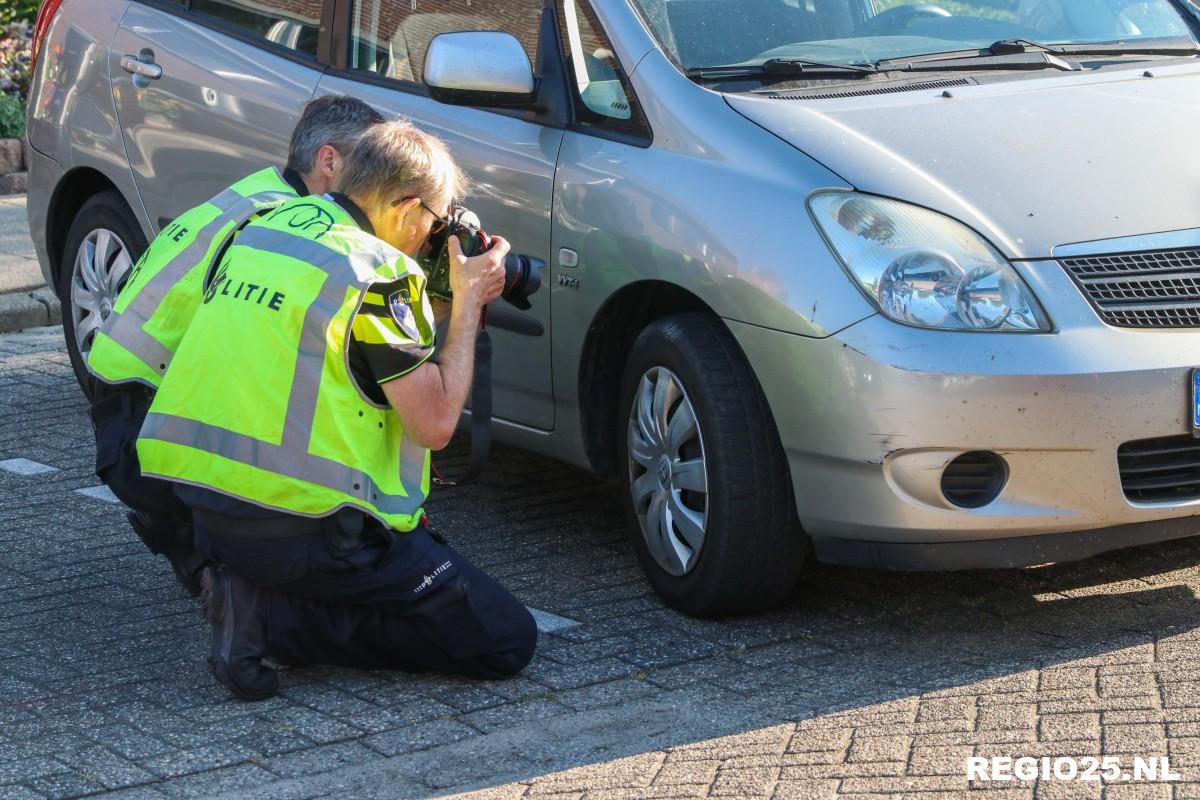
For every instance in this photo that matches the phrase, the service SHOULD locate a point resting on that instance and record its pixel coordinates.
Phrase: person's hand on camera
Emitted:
(478, 280)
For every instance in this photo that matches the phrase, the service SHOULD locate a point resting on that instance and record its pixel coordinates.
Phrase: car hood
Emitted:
(1031, 163)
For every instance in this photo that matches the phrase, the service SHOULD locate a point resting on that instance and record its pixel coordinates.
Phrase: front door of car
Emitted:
(510, 162)
(208, 95)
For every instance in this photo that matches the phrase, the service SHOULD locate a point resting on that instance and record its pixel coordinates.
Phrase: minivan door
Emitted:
(207, 96)
(510, 162)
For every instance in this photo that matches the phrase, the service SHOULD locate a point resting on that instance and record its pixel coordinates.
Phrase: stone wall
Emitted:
(12, 166)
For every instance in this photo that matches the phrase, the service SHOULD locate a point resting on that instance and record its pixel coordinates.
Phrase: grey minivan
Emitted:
(903, 285)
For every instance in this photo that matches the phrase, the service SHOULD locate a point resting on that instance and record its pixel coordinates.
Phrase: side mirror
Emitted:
(489, 69)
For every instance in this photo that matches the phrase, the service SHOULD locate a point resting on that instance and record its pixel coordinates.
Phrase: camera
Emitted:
(521, 278)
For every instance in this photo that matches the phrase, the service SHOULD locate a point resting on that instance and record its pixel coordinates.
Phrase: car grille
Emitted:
(1160, 470)
(1159, 289)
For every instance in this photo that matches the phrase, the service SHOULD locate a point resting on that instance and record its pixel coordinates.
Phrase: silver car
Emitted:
(900, 285)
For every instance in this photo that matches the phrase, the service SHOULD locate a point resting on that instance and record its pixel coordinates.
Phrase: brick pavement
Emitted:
(866, 685)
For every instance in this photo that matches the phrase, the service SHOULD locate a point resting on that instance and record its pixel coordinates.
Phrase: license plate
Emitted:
(1196, 403)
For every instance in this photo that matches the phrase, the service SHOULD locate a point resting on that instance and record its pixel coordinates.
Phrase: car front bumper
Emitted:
(871, 415)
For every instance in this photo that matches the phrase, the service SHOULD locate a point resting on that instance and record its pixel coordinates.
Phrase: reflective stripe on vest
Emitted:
(291, 457)
(290, 461)
(126, 328)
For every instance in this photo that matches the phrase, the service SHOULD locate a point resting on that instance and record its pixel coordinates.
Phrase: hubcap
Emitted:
(667, 471)
(101, 265)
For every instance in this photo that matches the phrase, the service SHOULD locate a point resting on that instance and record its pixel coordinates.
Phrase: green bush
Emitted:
(18, 11)
(12, 117)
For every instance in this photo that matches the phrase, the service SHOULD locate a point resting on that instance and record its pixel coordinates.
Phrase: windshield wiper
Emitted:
(1150, 47)
(783, 67)
(1035, 59)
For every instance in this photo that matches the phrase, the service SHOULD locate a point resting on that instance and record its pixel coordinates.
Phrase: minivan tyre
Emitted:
(753, 547)
(105, 210)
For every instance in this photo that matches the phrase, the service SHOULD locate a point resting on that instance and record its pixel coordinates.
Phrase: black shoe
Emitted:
(234, 607)
(173, 541)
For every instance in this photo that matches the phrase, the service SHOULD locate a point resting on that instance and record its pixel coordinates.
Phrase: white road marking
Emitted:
(549, 623)
(23, 466)
(99, 493)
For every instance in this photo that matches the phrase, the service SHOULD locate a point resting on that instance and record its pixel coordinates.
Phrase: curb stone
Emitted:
(14, 183)
(29, 310)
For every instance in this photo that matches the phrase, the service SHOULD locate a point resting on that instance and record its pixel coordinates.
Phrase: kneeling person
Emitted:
(298, 419)
(137, 342)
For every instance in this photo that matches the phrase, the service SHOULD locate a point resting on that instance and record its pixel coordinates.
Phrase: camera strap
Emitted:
(481, 413)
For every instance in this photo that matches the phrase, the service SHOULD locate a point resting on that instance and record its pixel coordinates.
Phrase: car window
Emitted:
(709, 33)
(390, 37)
(603, 96)
(294, 24)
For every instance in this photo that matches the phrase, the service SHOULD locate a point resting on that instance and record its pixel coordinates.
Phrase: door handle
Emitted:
(142, 66)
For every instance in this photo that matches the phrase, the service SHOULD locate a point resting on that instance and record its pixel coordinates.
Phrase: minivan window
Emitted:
(389, 37)
(294, 24)
(707, 33)
(603, 97)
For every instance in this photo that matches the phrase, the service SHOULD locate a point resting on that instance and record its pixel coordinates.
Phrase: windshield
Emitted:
(706, 33)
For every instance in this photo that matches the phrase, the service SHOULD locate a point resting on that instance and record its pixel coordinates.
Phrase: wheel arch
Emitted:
(76, 188)
(611, 334)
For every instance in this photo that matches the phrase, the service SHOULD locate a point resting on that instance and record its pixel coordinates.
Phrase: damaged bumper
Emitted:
(871, 416)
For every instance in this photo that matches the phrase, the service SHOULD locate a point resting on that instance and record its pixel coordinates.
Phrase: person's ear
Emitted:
(404, 211)
(401, 223)
(329, 162)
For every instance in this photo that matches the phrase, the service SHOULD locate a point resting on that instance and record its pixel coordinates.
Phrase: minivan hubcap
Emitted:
(668, 476)
(100, 266)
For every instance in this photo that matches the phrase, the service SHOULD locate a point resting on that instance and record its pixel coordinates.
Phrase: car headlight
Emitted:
(923, 268)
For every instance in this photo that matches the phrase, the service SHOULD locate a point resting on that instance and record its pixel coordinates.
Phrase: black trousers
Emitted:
(346, 590)
(117, 416)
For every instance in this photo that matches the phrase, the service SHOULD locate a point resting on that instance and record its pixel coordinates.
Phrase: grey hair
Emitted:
(396, 160)
(336, 120)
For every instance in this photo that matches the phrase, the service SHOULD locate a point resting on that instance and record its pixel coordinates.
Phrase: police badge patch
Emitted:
(402, 314)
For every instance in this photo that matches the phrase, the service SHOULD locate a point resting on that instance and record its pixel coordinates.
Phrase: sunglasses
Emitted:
(440, 222)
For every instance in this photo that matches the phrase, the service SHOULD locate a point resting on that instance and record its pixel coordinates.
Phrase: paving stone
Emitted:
(419, 737)
(218, 782)
(489, 720)
(687, 773)
(310, 724)
(744, 782)
(1139, 739)
(1013, 715)
(64, 785)
(200, 759)
(318, 759)
(14, 792)
(939, 760)
(879, 748)
(105, 767)
(806, 790)
(26, 769)
(1059, 727)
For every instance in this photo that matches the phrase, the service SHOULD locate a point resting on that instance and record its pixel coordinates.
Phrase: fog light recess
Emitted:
(974, 479)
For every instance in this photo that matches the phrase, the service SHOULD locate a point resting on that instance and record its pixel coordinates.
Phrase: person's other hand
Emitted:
(478, 280)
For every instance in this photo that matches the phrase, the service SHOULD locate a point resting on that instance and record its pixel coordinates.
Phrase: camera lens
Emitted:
(520, 280)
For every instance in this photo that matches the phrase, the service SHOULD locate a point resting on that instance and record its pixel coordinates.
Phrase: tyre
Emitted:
(706, 486)
(102, 245)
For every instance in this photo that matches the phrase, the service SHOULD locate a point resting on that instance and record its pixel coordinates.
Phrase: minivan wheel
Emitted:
(102, 245)
(705, 484)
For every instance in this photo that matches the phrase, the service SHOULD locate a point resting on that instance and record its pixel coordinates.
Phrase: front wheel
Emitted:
(102, 245)
(706, 486)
